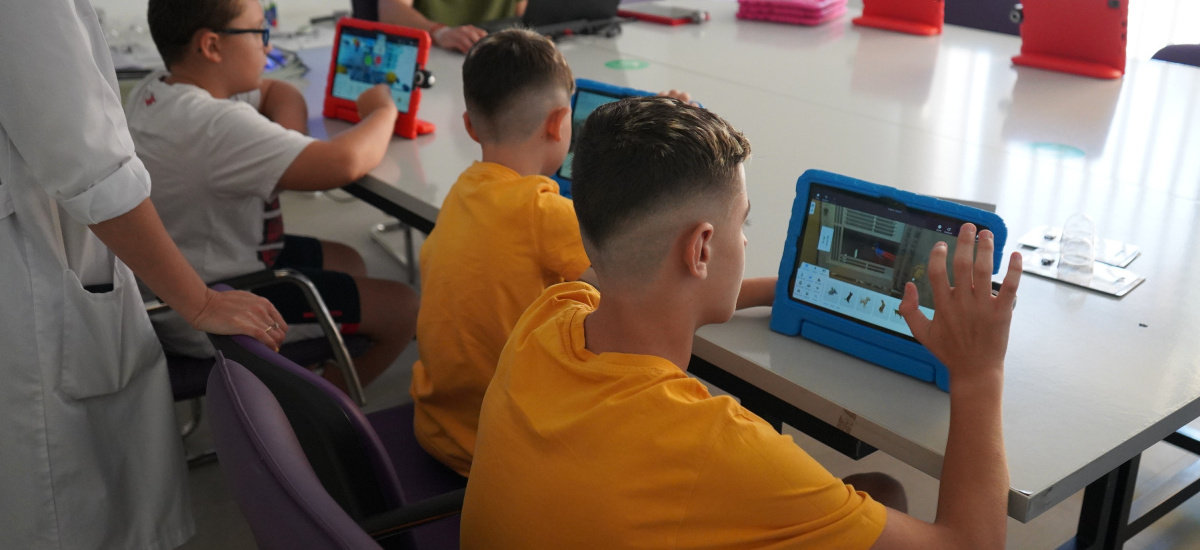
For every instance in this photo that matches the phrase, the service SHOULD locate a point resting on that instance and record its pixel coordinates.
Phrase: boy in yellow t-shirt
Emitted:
(503, 235)
(591, 435)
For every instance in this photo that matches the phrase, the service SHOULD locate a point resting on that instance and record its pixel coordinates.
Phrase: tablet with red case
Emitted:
(663, 14)
(366, 53)
(923, 17)
(1084, 37)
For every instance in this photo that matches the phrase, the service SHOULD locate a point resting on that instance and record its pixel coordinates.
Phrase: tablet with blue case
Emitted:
(851, 247)
(589, 94)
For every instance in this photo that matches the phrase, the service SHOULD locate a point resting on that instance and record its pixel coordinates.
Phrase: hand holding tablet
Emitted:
(852, 249)
(367, 54)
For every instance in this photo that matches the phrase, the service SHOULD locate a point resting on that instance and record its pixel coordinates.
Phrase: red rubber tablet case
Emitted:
(1085, 37)
(922, 17)
(366, 53)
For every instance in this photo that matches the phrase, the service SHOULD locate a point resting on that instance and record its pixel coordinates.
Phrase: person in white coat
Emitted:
(89, 452)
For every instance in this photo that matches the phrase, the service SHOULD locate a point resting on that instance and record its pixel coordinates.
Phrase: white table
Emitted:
(1088, 386)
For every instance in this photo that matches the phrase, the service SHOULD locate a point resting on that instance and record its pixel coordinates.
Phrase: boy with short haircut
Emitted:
(591, 435)
(220, 143)
(504, 234)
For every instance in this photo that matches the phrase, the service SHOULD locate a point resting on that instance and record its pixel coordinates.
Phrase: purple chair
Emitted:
(1187, 54)
(988, 15)
(189, 375)
(377, 481)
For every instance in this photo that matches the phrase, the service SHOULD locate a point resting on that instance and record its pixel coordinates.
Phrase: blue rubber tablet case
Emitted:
(851, 247)
(589, 94)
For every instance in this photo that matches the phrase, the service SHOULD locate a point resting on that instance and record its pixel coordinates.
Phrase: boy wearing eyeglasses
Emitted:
(220, 143)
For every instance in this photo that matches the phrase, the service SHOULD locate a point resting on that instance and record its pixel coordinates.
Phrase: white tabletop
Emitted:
(1087, 386)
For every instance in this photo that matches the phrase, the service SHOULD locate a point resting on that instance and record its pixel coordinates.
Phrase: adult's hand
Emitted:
(459, 39)
(239, 312)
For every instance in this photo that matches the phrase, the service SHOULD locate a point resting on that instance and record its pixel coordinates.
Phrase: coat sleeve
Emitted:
(60, 109)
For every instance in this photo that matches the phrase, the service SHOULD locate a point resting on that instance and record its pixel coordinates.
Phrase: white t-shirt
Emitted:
(214, 164)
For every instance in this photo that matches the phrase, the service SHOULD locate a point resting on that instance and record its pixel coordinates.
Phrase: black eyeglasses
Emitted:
(266, 33)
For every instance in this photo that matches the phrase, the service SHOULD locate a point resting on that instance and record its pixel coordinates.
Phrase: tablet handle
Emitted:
(423, 79)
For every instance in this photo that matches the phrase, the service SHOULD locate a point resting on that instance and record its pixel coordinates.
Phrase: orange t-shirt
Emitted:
(500, 240)
(578, 450)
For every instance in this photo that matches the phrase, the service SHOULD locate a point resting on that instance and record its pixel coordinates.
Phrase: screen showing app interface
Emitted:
(585, 102)
(857, 252)
(366, 58)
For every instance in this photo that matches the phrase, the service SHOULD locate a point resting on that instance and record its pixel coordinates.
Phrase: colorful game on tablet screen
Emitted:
(367, 58)
(857, 255)
(586, 101)
(852, 246)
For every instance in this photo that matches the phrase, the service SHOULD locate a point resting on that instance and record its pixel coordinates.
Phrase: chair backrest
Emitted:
(365, 9)
(988, 15)
(285, 504)
(343, 449)
(1187, 54)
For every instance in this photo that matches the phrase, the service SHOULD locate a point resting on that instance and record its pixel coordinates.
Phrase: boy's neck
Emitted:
(652, 322)
(185, 75)
(526, 158)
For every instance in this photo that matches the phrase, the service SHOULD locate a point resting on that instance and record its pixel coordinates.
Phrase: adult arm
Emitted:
(349, 155)
(401, 12)
(76, 145)
(969, 333)
(139, 239)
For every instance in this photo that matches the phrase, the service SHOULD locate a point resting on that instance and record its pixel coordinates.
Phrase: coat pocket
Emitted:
(6, 203)
(107, 338)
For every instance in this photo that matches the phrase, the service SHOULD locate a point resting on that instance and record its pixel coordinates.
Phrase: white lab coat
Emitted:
(89, 452)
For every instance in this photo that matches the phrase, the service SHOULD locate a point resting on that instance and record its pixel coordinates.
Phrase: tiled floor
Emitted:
(220, 525)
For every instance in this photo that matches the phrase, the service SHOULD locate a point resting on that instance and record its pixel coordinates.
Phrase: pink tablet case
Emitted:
(797, 12)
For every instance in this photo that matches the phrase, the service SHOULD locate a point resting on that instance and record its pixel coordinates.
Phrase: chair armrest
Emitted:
(393, 522)
(241, 282)
(258, 279)
(269, 277)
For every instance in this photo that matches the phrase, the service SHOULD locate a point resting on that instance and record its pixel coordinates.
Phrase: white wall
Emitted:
(121, 14)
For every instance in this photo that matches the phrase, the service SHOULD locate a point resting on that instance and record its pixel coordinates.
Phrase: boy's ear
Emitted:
(206, 44)
(556, 123)
(470, 127)
(697, 251)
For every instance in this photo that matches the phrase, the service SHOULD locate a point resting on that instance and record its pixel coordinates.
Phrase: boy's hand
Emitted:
(375, 98)
(969, 330)
(459, 39)
(680, 95)
(239, 312)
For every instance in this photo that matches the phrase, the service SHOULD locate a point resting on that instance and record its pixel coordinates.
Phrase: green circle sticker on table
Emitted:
(1058, 149)
(626, 64)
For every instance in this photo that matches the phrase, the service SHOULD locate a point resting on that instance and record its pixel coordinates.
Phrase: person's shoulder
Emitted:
(178, 106)
(556, 306)
(568, 296)
(543, 185)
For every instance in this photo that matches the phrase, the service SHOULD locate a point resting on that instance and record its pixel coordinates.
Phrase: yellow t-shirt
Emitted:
(578, 450)
(500, 240)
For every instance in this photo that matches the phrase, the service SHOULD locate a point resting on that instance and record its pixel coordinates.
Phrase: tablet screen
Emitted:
(856, 252)
(586, 101)
(366, 58)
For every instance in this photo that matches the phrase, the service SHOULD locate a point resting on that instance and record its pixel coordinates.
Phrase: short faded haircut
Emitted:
(174, 22)
(509, 77)
(639, 157)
